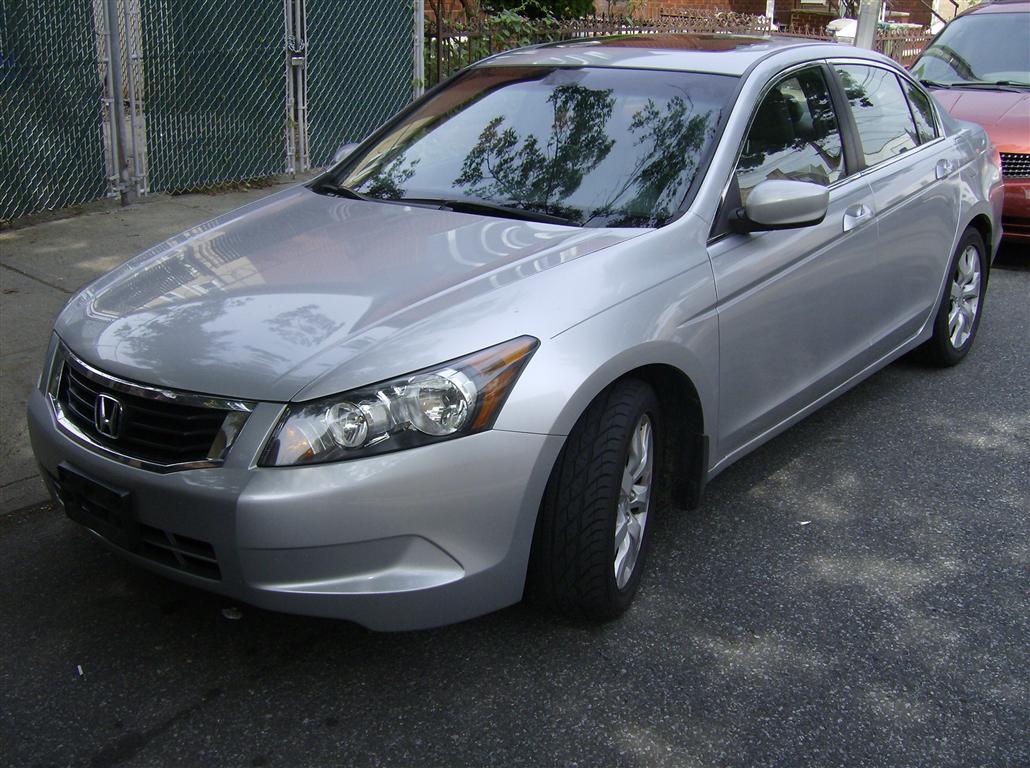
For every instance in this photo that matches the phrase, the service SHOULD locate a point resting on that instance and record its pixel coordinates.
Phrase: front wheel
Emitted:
(595, 520)
(959, 315)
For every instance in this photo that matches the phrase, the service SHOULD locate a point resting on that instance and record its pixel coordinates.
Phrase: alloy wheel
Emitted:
(965, 297)
(634, 501)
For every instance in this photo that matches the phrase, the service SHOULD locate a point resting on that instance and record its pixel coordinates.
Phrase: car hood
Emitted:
(261, 302)
(1005, 115)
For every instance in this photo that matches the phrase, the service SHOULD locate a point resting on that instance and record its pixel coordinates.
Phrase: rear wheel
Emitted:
(959, 315)
(592, 534)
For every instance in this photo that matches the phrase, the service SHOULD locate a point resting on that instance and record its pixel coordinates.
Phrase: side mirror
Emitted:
(781, 204)
(343, 151)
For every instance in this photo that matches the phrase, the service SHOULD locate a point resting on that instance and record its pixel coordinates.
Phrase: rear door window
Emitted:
(885, 124)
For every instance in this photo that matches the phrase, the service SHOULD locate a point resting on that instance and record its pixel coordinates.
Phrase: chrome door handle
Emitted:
(855, 215)
(944, 169)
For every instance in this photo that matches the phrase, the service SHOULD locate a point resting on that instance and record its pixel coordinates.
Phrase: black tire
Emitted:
(572, 563)
(939, 349)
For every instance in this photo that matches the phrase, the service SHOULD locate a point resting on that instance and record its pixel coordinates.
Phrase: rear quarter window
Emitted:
(922, 112)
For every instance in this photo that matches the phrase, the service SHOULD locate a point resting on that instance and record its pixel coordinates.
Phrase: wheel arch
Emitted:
(686, 444)
(683, 417)
(981, 222)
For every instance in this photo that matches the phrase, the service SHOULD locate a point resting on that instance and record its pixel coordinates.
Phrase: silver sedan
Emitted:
(541, 306)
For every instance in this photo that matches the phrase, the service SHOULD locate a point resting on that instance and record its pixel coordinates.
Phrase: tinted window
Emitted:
(794, 135)
(885, 124)
(982, 48)
(603, 147)
(922, 112)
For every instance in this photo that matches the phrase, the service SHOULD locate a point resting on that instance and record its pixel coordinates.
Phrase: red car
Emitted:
(978, 68)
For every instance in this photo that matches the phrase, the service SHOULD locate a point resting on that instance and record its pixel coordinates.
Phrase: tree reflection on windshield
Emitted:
(594, 146)
(504, 166)
(676, 139)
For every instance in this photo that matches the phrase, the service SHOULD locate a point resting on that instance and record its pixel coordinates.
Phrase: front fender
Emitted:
(673, 324)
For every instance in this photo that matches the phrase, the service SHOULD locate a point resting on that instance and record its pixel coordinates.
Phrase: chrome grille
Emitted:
(1015, 165)
(154, 429)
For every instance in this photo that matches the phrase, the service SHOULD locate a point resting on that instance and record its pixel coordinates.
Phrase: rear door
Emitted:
(913, 173)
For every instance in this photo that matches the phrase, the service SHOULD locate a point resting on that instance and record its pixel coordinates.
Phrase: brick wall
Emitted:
(652, 9)
(917, 12)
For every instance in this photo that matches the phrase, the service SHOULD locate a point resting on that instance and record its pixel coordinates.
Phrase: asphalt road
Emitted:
(855, 593)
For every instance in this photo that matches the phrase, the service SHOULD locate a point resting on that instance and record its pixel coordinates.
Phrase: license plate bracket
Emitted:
(104, 508)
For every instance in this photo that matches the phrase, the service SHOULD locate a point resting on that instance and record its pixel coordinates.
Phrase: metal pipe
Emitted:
(419, 53)
(868, 18)
(139, 168)
(291, 120)
(114, 74)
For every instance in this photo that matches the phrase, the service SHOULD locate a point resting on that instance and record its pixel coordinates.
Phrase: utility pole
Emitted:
(868, 18)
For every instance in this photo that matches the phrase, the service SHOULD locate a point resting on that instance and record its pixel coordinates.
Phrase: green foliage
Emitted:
(537, 9)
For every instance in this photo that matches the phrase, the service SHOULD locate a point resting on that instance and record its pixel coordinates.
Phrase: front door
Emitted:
(792, 303)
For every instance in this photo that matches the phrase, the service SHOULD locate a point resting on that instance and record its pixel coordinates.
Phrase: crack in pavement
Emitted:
(39, 280)
(130, 744)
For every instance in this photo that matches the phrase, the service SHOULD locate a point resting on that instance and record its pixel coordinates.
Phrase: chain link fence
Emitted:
(355, 80)
(195, 94)
(52, 146)
(214, 91)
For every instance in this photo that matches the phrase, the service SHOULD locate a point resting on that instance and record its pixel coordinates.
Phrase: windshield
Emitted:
(593, 146)
(982, 48)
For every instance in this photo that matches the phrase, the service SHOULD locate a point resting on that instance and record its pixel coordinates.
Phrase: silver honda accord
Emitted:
(547, 302)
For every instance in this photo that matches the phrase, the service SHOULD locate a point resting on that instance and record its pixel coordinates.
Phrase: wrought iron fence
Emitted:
(455, 41)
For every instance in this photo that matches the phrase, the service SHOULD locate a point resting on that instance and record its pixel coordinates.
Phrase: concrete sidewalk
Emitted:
(41, 266)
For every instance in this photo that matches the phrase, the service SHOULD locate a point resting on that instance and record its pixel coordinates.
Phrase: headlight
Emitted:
(451, 400)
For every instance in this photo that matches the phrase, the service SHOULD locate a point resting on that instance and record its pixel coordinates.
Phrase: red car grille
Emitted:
(1015, 165)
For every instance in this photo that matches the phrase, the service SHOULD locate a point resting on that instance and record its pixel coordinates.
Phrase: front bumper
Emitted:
(1015, 217)
(406, 540)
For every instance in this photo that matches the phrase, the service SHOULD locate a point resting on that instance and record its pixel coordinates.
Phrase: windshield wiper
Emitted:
(935, 84)
(992, 85)
(489, 209)
(329, 187)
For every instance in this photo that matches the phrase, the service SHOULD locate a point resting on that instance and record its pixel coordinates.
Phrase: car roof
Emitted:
(999, 6)
(716, 53)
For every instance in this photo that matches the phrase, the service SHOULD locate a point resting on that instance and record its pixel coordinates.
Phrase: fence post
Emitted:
(439, 46)
(126, 192)
(299, 74)
(134, 55)
(419, 52)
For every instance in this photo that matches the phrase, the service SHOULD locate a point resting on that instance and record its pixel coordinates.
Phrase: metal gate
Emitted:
(51, 139)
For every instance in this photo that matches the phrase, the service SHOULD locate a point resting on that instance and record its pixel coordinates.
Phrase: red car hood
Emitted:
(1004, 114)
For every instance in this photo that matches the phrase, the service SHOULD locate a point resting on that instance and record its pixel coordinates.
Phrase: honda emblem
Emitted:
(107, 416)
